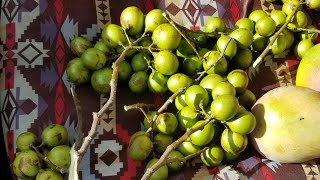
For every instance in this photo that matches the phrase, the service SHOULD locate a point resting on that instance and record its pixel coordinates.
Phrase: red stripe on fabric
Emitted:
(9, 65)
(60, 54)
(10, 145)
(132, 165)
(59, 103)
(148, 5)
(293, 63)
(58, 7)
(234, 8)
(266, 174)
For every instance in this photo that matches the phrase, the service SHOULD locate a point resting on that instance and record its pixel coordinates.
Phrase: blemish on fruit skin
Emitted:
(302, 118)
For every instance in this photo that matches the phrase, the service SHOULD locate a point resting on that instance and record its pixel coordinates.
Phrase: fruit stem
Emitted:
(174, 24)
(79, 127)
(212, 65)
(186, 158)
(163, 159)
(305, 29)
(274, 38)
(137, 106)
(44, 158)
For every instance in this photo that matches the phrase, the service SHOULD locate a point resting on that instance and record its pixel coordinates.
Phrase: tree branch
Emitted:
(79, 116)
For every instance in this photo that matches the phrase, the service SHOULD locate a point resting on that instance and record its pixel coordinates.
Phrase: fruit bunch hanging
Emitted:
(205, 71)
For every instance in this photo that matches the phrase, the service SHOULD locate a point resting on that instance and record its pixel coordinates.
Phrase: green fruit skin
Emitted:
(214, 24)
(166, 37)
(243, 122)
(195, 96)
(153, 19)
(231, 49)
(257, 15)
(60, 156)
(187, 117)
(224, 107)
(132, 19)
(243, 37)
(161, 174)
(185, 49)
(279, 17)
(24, 140)
(161, 141)
(245, 23)
(167, 123)
(187, 148)
(76, 71)
(247, 99)
(180, 102)
(131, 52)
(265, 26)
(308, 70)
(94, 59)
(138, 82)
(166, 62)
(146, 123)
(233, 142)
(210, 59)
(79, 44)
(213, 156)
(302, 47)
(157, 83)
(177, 81)
(204, 136)
(228, 157)
(210, 81)
(280, 45)
(259, 42)
(26, 164)
(48, 174)
(113, 35)
(178, 165)
(289, 37)
(287, 129)
(313, 4)
(140, 147)
(102, 47)
(124, 71)
(139, 62)
(243, 59)
(223, 88)
(100, 80)
(300, 20)
(54, 135)
(192, 65)
(239, 79)
(289, 6)
(308, 35)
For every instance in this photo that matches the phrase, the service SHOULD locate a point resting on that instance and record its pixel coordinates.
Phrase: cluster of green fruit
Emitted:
(29, 164)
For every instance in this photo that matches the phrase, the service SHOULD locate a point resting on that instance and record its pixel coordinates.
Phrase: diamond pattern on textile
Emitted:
(10, 9)
(103, 13)
(29, 5)
(8, 108)
(173, 9)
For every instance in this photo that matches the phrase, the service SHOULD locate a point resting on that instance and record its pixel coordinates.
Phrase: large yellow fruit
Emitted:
(288, 123)
(308, 74)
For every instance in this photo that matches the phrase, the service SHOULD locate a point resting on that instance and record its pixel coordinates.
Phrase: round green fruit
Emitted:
(239, 79)
(76, 71)
(212, 65)
(243, 59)
(257, 15)
(204, 136)
(166, 37)
(224, 107)
(60, 156)
(214, 24)
(177, 81)
(192, 65)
(259, 42)
(100, 80)
(166, 62)
(138, 82)
(289, 6)
(139, 62)
(180, 102)
(93, 59)
(210, 81)
(233, 142)
(231, 49)
(222, 88)
(161, 141)
(157, 83)
(313, 4)
(48, 174)
(140, 146)
(266, 26)
(26, 164)
(24, 140)
(153, 19)
(243, 122)
(302, 47)
(247, 99)
(187, 148)
(167, 123)
(308, 35)
(150, 117)
(212, 156)
(245, 23)
(124, 71)
(54, 135)
(279, 17)
(102, 47)
(113, 35)
(79, 44)
(300, 20)
(132, 19)
(187, 117)
(177, 165)
(243, 37)
(196, 97)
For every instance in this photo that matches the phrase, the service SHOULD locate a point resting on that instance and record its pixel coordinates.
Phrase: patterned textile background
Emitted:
(34, 92)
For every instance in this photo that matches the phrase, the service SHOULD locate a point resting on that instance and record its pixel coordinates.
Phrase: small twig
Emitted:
(174, 24)
(173, 146)
(212, 65)
(274, 38)
(137, 106)
(46, 159)
(186, 158)
(79, 127)
(305, 29)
